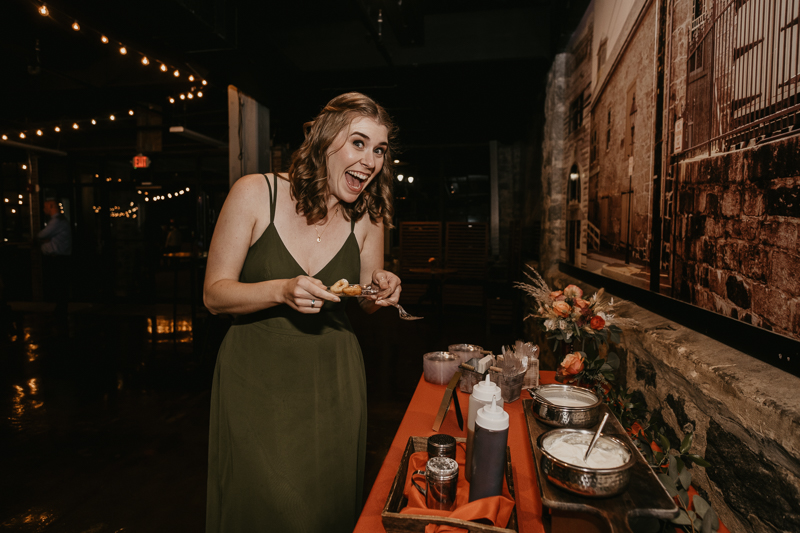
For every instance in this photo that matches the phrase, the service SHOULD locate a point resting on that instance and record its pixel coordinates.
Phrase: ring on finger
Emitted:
(313, 302)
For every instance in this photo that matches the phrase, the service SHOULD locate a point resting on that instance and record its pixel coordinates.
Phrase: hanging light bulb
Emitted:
(181, 191)
(163, 67)
(177, 74)
(145, 61)
(169, 195)
(400, 177)
(24, 167)
(182, 96)
(189, 96)
(57, 129)
(5, 137)
(94, 122)
(22, 135)
(171, 100)
(123, 50)
(411, 179)
(104, 39)
(75, 126)
(205, 82)
(146, 199)
(199, 94)
(43, 11)
(187, 189)
(76, 26)
(130, 112)
(39, 133)
(191, 78)
(112, 117)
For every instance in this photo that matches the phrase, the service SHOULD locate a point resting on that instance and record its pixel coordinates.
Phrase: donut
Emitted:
(340, 285)
(352, 290)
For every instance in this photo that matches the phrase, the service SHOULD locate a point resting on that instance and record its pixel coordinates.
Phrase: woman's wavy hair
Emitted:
(308, 173)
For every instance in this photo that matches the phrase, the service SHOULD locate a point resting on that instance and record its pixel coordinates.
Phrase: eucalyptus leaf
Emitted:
(679, 462)
(698, 523)
(700, 505)
(659, 456)
(687, 443)
(696, 459)
(685, 478)
(682, 520)
(684, 497)
(673, 468)
(692, 515)
(613, 360)
(712, 518)
(669, 484)
(663, 442)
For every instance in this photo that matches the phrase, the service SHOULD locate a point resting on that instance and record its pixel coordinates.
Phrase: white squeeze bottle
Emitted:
(481, 396)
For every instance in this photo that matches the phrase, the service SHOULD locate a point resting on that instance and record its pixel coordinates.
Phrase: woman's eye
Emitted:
(358, 144)
(380, 151)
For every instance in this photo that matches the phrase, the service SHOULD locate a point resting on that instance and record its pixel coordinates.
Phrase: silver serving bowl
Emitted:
(591, 482)
(546, 408)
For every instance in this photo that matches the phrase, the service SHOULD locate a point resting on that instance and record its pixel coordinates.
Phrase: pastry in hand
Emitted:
(339, 286)
(352, 290)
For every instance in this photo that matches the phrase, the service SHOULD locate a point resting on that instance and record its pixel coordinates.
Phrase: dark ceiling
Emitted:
(449, 71)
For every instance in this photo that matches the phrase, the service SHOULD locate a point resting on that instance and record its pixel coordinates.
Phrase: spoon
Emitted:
(596, 436)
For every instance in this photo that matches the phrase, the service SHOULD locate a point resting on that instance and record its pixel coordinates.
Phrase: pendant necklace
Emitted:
(316, 227)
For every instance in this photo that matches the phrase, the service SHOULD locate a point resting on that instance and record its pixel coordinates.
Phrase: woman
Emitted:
(288, 406)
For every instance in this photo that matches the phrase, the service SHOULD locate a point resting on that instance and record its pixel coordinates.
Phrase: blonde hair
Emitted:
(308, 171)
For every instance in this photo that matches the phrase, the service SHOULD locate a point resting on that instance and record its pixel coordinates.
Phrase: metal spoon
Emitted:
(596, 436)
(404, 315)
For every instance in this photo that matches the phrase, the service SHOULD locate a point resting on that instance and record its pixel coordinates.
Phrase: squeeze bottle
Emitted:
(489, 452)
(482, 394)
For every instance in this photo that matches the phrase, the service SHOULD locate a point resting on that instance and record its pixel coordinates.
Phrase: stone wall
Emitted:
(738, 218)
(743, 412)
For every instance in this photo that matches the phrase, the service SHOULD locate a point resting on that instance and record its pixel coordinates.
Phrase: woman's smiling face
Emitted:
(355, 157)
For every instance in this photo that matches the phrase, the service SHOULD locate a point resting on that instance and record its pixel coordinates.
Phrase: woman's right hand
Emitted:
(306, 294)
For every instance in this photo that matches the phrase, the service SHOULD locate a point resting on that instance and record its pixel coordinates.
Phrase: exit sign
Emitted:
(141, 161)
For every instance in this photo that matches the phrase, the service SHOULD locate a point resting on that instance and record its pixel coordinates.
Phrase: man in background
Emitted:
(56, 245)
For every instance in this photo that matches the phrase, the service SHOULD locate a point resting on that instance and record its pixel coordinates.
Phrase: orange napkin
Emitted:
(493, 511)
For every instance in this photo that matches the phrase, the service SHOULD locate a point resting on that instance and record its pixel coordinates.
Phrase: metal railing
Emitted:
(755, 69)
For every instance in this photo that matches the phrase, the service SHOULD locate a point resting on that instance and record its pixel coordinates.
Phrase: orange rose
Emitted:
(597, 323)
(573, 291)
(557, 296)
(572, 364)
(562, 309)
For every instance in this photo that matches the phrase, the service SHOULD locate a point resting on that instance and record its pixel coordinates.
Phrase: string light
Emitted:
(205, 82)
(58, 130)
(199, 94)
(24, 167)
(43, 11)
(163, 67)
(112, 117)
(145, 61)
(104, 39)
(191, 78)
(189, 96)
(75, 126)
(182, 96)
(130, 112)
(177, 73)
(22, 135)
(171, 100)
(76, 26)
(94, 122)
(123, 50)
(39, 133)
(5, 137)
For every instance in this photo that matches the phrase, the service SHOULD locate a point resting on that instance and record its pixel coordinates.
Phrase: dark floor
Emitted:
(104, 421)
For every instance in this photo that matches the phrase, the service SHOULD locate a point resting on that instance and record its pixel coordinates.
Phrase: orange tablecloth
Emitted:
(418, 421)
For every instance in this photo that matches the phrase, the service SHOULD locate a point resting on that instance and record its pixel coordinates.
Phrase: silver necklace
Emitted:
(316, 226)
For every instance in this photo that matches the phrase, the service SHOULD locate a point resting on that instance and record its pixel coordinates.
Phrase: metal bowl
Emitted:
(439, 367)
(546, 408)
(591, 482)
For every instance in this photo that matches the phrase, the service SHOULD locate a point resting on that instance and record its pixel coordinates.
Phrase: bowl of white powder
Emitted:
(605, 473)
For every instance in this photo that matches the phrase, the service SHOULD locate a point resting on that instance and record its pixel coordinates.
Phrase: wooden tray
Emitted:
(645, 496)
(394, 522)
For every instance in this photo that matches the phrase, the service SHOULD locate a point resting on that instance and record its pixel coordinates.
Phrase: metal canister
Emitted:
(441, 477)
(441, 445)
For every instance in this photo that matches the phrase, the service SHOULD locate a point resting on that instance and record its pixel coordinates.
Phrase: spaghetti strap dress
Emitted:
(288, 422)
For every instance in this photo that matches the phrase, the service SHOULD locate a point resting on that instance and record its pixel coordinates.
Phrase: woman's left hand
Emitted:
(389, 285)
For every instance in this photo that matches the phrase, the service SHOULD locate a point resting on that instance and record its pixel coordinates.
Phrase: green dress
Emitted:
(288, 424)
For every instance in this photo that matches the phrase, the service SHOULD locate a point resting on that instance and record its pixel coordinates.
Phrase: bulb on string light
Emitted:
(104, 39)
(24, 167)
(169, 195)
(75, 126)
(171, 100)
(205, 82)
(187, 189)
(94, 122)
(145, 61)
(191, 78)
(199, 94)
(76, 26)
(123, 50)
(182, 96)
(39, 133)
(177, 74)
(43, 11)
(189, 96)
(146, 199)
(163, 67)
(5, 137)
(181, 191)
(22, 135)
(13, 211)
(130, 112)
(57, 129)
(112, 117)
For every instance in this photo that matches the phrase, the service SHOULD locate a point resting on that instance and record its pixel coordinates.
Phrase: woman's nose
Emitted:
(368, 159)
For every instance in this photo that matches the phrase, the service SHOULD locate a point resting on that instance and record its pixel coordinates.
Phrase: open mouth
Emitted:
(355, 180)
